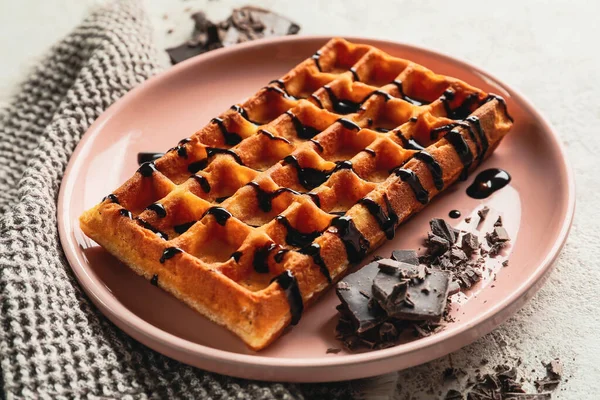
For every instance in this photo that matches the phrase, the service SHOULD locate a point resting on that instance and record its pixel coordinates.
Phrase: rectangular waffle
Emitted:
(255, 215)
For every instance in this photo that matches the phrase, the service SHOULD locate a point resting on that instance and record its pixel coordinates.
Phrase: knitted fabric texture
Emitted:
(53, 342)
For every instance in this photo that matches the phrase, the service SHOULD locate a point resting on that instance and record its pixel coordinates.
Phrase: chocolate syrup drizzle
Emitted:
(261, 256)
(404, 97)
(182, 228)
(303, 131)
(318, 144)
(148, 157)
(211, 151)
(316, 57)
(434, 167)
(413, 181)
(501, 100)
(463, 110)
(158, 208)
(354, 74)
(315, 198)
(230, 138)
(387, 221)
(273, 137)
(462, 149)
(294, 237)
(355, 243)
(112, 197)
(169, 253)
(483, 140)
(126, 213)
(180, 148)
(220, 214)
(310, 178)
(370, 152)
(265, 199)
(341, 106)
(287, 281)
(147, 169)
(202, 181)
(158, 233)
(280, 91)
(409, 144)
(317, 99)
(236, 255)
(154, 280)
(314, 250)
(346, 123)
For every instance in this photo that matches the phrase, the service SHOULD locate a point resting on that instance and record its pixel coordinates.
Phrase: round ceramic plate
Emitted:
(536, 207)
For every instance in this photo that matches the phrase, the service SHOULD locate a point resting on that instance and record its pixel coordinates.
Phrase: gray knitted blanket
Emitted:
(53, 342)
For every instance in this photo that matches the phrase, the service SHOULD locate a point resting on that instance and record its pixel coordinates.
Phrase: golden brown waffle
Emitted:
(256, 214)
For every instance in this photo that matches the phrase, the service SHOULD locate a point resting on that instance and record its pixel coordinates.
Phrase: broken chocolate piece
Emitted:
(470, 243)
(483, 213)
(388, 266)
(498, 221)
(437, 245)
(351, 295)
(498, 235)
(246, 23)
(403, 299)
(388, 332)
(407, 256)
(554, 369)
(453, 288)
(440, 228)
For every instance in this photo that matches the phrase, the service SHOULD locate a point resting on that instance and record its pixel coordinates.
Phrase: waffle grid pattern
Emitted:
(310, 174)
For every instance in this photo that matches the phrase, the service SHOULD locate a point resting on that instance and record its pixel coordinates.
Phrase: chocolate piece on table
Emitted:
(440, 228)
(437, 245)
(244, 24)
(413, 304)
(483, 213)
(407, 256)
(498, 235)
(350, 292)
(453, 288)
(498, 221)
(470, 243)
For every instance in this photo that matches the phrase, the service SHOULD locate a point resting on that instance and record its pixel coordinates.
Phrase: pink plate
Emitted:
(537, 208)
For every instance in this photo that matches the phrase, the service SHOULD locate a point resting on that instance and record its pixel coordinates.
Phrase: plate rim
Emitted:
(147, 333)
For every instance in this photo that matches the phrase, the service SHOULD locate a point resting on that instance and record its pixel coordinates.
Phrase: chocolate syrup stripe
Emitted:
(309, 177)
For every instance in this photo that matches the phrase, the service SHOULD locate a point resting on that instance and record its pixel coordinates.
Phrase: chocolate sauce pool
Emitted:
(487, 182)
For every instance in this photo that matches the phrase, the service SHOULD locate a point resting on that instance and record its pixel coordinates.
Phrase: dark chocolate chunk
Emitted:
(441, 228)
(415, 304)
(498, 235)
(363, 317)
(387, 265)
(388, 332)
(244, 24)
(470, 243)
(457, 255)
(453, 288)
(483, 213)
(554, 368)
(407, 256)
(437, 245)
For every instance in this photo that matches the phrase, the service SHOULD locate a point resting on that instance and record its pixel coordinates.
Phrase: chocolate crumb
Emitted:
(468, 220)
(505, 263)
(483, 213)
(498, 221)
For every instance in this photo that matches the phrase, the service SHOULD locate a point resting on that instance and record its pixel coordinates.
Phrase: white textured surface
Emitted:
(548, 51)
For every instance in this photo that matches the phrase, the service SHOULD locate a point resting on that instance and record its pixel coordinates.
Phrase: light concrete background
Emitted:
(548, 50)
